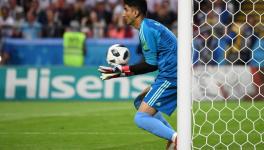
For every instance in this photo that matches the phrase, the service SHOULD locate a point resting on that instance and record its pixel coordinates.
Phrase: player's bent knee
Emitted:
(139, 119)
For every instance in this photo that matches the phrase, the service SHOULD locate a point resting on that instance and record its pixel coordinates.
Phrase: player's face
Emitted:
(129, 15)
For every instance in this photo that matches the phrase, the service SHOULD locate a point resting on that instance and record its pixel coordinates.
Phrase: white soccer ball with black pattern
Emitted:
(118, 54)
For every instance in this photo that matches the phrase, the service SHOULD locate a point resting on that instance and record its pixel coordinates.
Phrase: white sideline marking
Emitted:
(73, 133)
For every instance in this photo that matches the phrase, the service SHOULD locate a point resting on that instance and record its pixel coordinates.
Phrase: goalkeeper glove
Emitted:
(114, 72)
(106, 76)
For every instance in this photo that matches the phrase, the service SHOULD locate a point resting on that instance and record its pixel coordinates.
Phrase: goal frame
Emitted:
(184, 128)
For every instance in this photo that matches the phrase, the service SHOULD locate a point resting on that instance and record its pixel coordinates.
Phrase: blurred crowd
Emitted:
(223, 33)
(30, 19)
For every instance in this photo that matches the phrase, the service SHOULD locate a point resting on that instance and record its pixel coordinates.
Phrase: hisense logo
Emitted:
(43, 84)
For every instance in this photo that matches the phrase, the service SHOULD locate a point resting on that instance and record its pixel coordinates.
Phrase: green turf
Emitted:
(72, 126)
(110, 126)
(233, 125)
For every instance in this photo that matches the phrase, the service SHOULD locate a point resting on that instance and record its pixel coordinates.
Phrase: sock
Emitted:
(149, 123)
(174, 136)
(159, 116)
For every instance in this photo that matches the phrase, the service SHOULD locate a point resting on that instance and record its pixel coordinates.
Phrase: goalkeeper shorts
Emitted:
(162, 96)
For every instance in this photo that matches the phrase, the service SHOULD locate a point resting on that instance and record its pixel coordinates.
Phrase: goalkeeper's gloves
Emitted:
(114, 72)
(106, 76)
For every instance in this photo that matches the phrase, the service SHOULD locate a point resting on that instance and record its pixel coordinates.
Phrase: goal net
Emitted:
(228, 75)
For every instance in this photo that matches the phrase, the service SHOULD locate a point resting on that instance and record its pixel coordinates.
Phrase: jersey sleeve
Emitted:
(149, 45)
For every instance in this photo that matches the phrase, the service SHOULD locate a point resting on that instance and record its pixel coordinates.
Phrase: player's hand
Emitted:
(110, 72)
(114, 72)
(114, 69)
(107, 76)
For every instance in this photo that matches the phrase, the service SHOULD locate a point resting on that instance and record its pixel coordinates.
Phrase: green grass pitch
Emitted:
(101, 126)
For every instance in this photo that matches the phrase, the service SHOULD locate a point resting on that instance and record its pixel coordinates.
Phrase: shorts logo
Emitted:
(158, 104)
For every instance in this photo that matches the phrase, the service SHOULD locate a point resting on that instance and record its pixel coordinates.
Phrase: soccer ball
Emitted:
(118, 54)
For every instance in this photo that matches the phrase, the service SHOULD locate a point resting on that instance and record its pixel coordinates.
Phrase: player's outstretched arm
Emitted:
(123, 71)
(142, 68)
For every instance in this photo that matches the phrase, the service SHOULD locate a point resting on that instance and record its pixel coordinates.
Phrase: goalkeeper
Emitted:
(159, 46)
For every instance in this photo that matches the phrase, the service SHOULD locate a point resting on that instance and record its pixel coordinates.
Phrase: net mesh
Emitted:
(228, 74)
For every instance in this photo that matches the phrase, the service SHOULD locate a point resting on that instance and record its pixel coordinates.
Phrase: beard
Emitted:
(130, 22)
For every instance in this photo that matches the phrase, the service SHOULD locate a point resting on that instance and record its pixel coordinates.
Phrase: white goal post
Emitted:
(184, 75)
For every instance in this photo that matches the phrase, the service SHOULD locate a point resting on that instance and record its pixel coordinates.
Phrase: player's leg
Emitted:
(144, 119)
(158, 114)
(140, 97)
(145, 116)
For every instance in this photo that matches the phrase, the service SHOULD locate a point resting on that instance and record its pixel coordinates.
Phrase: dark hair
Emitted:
(140, 5)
